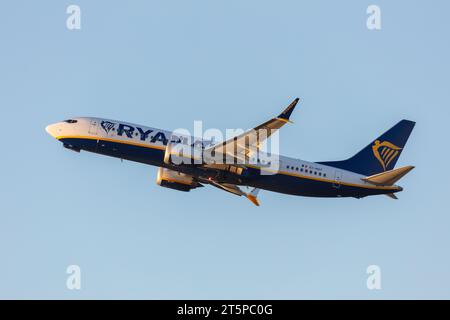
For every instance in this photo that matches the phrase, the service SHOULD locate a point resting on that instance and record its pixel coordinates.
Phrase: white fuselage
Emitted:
(94, 134)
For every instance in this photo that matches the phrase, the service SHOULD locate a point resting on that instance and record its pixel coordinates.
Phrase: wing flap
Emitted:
(234, 189)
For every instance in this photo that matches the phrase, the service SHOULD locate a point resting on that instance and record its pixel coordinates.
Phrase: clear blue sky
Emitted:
(232, 64)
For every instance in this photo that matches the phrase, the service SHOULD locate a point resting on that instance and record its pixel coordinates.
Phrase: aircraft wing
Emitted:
(242, 146)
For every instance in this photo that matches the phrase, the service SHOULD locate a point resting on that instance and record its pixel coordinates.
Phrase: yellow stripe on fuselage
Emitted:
(393, 188)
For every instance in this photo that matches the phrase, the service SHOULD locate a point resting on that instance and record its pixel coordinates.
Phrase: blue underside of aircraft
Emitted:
(282, 183)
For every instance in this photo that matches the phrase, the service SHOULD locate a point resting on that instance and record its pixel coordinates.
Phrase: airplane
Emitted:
(369, 172)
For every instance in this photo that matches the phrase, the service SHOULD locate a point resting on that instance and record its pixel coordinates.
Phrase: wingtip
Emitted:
(288, 111)
(294, 102)
(253, 199)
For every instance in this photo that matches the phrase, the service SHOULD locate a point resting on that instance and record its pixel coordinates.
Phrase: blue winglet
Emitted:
(287, 112)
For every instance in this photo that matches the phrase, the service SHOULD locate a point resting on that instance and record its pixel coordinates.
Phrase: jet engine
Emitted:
(176, 180)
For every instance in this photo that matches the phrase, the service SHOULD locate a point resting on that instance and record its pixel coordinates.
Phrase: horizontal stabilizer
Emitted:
(388, 178)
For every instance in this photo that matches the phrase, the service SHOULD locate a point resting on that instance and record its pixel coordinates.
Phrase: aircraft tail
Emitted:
(381, 154)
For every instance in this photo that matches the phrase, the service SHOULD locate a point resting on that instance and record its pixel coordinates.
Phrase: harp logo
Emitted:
(107, 126)
(385, 152)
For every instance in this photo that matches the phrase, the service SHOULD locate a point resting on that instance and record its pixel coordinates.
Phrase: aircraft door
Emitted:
(337, 179)
(93, 127)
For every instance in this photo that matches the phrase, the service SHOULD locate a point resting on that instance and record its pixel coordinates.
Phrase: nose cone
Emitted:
(52, 130)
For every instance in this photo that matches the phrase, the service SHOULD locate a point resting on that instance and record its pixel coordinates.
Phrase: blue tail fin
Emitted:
(381, 154)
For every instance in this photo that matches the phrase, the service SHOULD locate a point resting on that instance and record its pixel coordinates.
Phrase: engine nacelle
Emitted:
(176, 180)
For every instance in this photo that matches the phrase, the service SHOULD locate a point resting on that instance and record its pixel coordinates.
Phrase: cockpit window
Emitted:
(71, 121)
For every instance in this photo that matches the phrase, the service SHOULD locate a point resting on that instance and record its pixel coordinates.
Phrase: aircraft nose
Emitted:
(52, 130)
